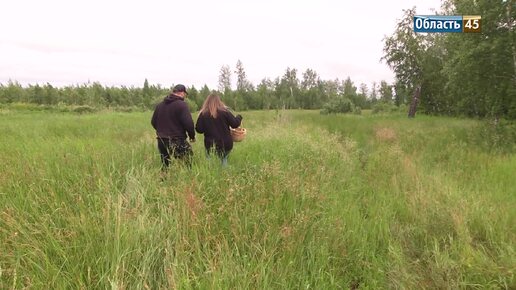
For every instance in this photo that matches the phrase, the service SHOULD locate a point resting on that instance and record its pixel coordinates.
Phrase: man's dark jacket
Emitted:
(172, 119)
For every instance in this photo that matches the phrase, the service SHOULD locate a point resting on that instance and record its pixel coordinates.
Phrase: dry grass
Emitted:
(385, 134)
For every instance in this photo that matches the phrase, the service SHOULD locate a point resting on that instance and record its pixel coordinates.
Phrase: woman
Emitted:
(214, 121)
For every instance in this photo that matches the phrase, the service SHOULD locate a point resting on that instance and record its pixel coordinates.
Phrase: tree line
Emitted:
(458, 74)
(91, 94)
(290, 91)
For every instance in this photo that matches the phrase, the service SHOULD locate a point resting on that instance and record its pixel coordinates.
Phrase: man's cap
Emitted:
(179, 88)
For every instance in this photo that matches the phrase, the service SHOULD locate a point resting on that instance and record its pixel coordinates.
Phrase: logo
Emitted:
(471, 23)
(447, 23)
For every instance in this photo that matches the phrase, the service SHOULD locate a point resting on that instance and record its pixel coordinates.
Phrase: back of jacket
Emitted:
(216, 130)
(172, 119)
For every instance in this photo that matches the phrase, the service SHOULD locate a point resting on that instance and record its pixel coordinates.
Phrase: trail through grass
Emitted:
(308, 202)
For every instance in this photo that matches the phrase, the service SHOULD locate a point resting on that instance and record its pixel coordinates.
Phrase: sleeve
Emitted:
(233, 121)
(187, 122)
(154, 119)
(199, 126)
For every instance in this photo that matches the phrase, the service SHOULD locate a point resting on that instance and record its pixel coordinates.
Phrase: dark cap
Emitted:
(179, 88)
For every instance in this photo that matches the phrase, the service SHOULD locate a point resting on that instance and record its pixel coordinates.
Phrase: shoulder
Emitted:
(225, 112)
(182, 104)
(158, 105)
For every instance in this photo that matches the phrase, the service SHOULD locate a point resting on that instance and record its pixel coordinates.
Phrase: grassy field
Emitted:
(307, 202)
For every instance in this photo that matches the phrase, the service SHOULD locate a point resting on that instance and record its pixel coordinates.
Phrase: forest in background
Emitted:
(459, 74)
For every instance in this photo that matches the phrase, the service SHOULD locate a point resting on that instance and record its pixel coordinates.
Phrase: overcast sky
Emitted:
(122, 42)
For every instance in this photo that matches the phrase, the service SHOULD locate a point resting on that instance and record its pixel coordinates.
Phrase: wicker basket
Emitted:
(238, 134)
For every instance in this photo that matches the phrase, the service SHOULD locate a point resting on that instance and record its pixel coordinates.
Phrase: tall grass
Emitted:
(308, 201)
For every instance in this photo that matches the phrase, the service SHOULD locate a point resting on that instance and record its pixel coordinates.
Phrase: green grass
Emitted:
(308, 202)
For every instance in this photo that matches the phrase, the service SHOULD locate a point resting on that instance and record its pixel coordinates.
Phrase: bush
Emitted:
(403, 109)
(129, 109)
(383, 107)
(84, 109)
(496, 136)
(511, 114)
(357, 110)
(338, 105)
(27, 107)
(62, 107)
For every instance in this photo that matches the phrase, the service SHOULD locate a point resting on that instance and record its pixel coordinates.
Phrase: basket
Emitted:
(238, 134)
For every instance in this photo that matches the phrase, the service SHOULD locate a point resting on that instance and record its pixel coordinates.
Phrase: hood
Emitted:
(172, 98)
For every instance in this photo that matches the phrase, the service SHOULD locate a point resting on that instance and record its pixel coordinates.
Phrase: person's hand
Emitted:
(239, 117)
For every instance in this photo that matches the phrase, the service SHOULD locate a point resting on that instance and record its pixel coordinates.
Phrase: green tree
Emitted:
(349, 91)
(194, 96)
(50, 94)
(135, 96)
(205, 91)
(3, 97)
(360, 100)
(401, 94)
(288, 91)
(373, 95)
(385, 92)
(124, 97)
(460, 74)
(417, 61)
(403, 50)
(15, 92)
(36, 94)
(310, 90)
(404, 53)
(96, 95)
(348, 88)
(480, 68)
(265, 94)
(331, 89)
(243, 96)
(147, 95)
(362, 97)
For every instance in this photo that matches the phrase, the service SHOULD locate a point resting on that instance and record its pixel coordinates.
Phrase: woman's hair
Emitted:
(212, 104)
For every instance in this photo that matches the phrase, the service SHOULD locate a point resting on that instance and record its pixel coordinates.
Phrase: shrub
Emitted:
(24, 107)
(403, 109)
(62, 107)
(84, 109)
(338, 105)
(496, 136)
(129, 109)
(382, 107)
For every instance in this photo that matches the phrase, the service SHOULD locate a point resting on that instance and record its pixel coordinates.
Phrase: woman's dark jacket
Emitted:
(216, 130)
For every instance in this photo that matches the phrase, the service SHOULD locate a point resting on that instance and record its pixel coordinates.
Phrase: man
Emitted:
(173, 121)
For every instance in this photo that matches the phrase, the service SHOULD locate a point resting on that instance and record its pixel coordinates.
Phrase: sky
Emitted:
(124, 42)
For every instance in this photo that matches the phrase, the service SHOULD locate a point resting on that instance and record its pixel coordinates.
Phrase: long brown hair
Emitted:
(212, 104)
